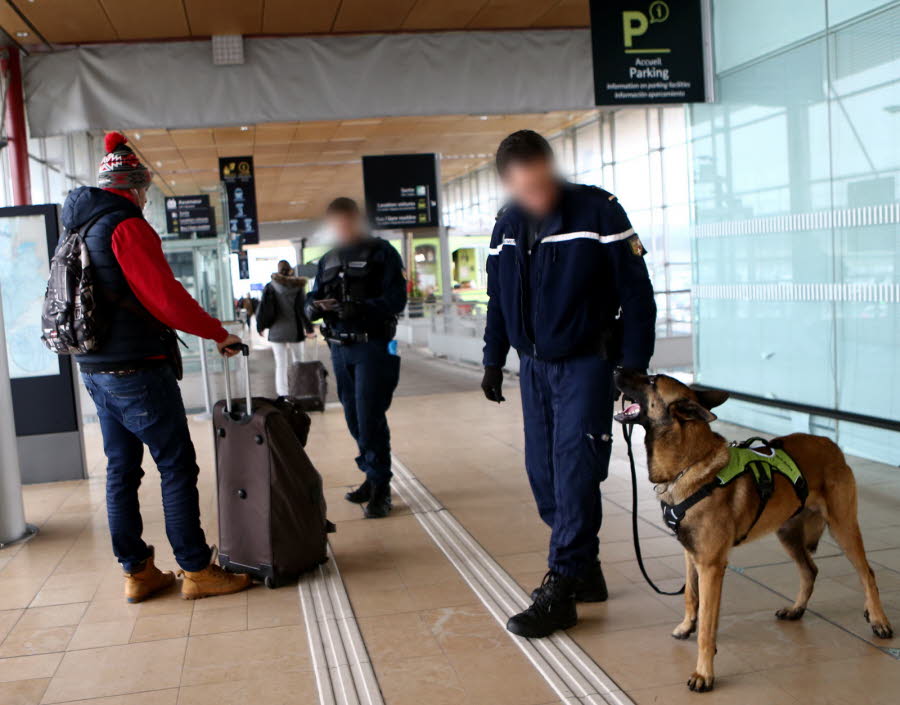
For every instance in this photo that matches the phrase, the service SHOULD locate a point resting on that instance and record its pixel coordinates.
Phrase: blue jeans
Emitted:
(145, 408)
(567, 407)
(366, 375)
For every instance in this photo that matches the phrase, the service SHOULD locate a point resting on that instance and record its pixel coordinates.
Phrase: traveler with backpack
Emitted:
(121, 327)
(281, 311)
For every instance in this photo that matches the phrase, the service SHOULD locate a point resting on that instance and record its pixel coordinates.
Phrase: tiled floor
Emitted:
(67, 636)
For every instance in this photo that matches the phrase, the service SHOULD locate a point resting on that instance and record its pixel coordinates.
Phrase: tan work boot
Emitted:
(148, 580)
(211, 581)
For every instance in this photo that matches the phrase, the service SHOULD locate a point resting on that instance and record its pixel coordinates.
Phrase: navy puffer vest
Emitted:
(131, 335)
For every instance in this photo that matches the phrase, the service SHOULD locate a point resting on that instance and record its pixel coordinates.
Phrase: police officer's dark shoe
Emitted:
(380, 504)
(361, 494)
(553, 608)
(591, 588)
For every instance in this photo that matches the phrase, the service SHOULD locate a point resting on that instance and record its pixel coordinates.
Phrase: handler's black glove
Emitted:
(492, 384)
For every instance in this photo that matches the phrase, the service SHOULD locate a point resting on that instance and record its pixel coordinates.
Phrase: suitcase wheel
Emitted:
(271, 582)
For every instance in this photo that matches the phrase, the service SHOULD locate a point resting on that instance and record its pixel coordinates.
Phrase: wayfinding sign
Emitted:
(186, 215)
(648, 51)
(243, 264)
(401, 190)
(237, 175)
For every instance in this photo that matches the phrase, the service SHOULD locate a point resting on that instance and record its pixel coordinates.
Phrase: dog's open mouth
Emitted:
(629, 414)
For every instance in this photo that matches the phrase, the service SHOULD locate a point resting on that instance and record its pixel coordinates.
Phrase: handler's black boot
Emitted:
(590, 588)
(553, 608)
(361, 494)
(380, 504)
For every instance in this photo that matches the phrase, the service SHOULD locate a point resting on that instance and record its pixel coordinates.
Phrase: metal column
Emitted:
(444, 242)
(446, 269)
(407, 253)
(15, 128)
(12, 510)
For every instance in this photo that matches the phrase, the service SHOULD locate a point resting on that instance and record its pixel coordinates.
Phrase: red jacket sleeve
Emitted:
(138, 250)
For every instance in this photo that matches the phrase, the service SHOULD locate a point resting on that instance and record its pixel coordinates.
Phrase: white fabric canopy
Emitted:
(176, 85)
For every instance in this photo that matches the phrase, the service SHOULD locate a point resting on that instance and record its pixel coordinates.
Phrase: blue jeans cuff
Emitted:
(197, 564)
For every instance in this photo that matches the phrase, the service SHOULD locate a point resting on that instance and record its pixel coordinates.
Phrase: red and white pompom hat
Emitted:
(120, 168)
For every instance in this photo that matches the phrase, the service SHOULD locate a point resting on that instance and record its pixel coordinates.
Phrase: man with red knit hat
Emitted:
(133, 377)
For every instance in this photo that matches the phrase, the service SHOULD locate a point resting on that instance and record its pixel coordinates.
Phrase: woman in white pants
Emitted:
(285, 355)
(281, 311)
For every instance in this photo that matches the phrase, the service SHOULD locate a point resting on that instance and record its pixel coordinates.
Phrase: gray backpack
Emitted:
(69, 318)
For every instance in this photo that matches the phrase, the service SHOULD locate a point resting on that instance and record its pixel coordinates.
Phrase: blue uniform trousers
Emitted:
(567, 407)
(366, 375)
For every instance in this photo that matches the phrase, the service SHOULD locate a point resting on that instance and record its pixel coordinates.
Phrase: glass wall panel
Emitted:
(673, 130)
(746, 30)
(58, 186)
(587, 156)
(83, 168)
(630, 134)
(56, 165)
(843, 10)
(796, 233)
(675, 175)
(39, 182)
(865, 147)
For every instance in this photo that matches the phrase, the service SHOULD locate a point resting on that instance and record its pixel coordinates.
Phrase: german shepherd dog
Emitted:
(684, 454)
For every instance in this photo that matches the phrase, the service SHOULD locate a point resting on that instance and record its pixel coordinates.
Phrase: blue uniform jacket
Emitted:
(378, 283)
(562, 299)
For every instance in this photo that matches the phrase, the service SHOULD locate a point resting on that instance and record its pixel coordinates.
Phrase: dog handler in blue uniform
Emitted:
(568, 290)
(359, 291)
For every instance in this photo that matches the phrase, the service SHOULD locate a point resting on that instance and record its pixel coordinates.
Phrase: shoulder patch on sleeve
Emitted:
(637, 247)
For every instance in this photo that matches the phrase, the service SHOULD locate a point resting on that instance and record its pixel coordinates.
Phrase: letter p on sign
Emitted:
(634, 24)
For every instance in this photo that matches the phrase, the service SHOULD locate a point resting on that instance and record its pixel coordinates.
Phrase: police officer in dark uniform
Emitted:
(359, 291)
(568, 290)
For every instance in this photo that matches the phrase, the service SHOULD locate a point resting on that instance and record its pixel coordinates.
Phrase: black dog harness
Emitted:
(761, 464)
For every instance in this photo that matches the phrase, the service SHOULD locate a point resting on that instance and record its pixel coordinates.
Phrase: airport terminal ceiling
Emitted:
(301, 165)
(67, 22)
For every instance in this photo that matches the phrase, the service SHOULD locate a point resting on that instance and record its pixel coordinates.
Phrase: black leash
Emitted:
(626, 432)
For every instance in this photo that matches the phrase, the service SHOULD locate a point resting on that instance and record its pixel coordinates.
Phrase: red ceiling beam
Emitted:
(15, 129)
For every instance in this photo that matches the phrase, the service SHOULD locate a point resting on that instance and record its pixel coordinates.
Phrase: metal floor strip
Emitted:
(568, 670)
(344, 673)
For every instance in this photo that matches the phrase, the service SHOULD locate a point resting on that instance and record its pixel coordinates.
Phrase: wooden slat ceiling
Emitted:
(85, 21)
(301, 166)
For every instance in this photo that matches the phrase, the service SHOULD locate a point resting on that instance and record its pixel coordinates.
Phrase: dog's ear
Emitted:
(689, 410)
(711, 398)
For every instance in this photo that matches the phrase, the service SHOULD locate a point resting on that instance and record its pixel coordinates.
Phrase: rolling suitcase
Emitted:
(308, 383)
(272, 517)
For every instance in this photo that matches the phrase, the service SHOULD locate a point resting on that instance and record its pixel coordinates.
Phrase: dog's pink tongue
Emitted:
(633, 409)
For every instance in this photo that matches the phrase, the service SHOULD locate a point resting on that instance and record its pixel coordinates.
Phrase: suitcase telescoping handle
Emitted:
(245, 356)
